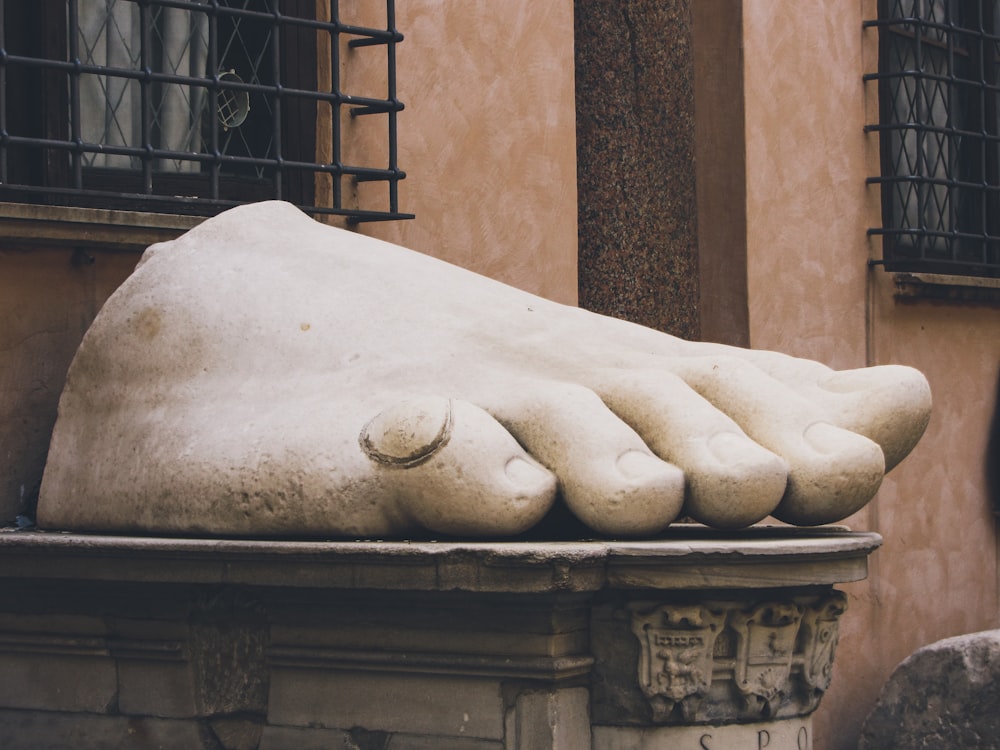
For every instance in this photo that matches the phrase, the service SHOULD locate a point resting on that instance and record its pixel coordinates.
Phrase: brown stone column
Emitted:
(660, 164)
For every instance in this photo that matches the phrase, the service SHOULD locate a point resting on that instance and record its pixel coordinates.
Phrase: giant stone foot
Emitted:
(265, 374)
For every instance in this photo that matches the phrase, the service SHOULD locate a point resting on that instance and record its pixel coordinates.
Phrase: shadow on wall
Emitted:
(993, 456)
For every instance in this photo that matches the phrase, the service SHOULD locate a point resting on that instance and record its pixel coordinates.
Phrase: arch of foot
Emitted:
(267, 374)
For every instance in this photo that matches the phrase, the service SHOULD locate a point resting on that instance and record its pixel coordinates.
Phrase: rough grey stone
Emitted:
(445, 706)
(237, 733)
(57, 682)
(417, 742)
(557, 719)
(297, 738)
(156, 688)
(946, 695)
(50, 730)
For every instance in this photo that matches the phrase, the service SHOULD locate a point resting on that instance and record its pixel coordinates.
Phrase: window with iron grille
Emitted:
(190, 105)
(939, 134)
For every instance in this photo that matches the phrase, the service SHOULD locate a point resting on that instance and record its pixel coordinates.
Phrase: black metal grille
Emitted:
(188, 105)
(939, 131)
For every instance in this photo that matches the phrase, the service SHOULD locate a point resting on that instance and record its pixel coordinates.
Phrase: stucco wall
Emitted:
(811, 294)
(487, 140)
(48, 298)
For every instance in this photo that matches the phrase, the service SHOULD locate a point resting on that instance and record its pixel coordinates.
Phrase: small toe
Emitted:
(608, 477)
(731, 481)
(890, 404)
(833, 472)
(453, 469)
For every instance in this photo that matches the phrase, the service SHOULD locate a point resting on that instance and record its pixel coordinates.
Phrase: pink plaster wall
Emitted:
(804, 152)
(488, 139)
(811, 294)
(48, 299)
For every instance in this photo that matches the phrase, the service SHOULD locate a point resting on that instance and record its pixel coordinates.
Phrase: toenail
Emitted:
(408, 433)
(824, 437)
(525, 473)
(848, 381)
(728, 447)
(636, 464)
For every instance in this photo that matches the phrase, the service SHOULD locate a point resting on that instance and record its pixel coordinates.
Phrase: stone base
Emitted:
(699, 637)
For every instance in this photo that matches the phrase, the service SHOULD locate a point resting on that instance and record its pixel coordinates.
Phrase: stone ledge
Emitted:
(125, 230)
(946, 288)
(686, 557)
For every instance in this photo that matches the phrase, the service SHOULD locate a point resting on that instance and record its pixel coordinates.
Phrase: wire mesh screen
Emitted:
(191, 105)
(939, 131)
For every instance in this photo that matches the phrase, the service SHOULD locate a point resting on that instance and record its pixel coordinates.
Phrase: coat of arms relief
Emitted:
(736, 661)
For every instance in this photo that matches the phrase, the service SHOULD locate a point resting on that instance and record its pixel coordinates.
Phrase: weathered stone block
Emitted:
(550, 720)
(944, 695)
(237, 733)
(57, 682)
(48, 730)
(391, 702)
(153, 688)
(417, 742)
(302, 738)
(209, 664)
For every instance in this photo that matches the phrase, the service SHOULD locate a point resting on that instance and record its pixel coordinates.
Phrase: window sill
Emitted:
(946, 288)
(122, 230)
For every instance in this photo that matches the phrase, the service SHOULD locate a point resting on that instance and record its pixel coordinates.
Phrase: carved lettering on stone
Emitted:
(675, 663)
(766, 638)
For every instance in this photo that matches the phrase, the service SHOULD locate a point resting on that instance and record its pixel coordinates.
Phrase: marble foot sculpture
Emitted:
(265, 374)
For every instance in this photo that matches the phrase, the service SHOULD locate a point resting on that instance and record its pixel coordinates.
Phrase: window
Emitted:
(939, 131)
(188, 105)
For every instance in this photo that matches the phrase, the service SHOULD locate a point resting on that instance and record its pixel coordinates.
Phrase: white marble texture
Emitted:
(265, 374)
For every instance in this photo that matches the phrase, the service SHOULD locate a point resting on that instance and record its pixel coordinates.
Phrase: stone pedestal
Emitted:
(700, 639)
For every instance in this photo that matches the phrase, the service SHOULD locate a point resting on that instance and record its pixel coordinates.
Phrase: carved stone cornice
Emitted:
(684, 558)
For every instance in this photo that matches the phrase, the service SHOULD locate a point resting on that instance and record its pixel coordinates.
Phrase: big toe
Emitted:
(453, 469)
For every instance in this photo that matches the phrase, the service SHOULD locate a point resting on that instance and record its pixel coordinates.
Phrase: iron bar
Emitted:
(276, 108)
(74, 94)
(336, 109)
(145, 98)
(3, 99)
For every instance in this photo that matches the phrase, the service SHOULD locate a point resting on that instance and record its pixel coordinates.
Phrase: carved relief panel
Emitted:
(716, 661)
